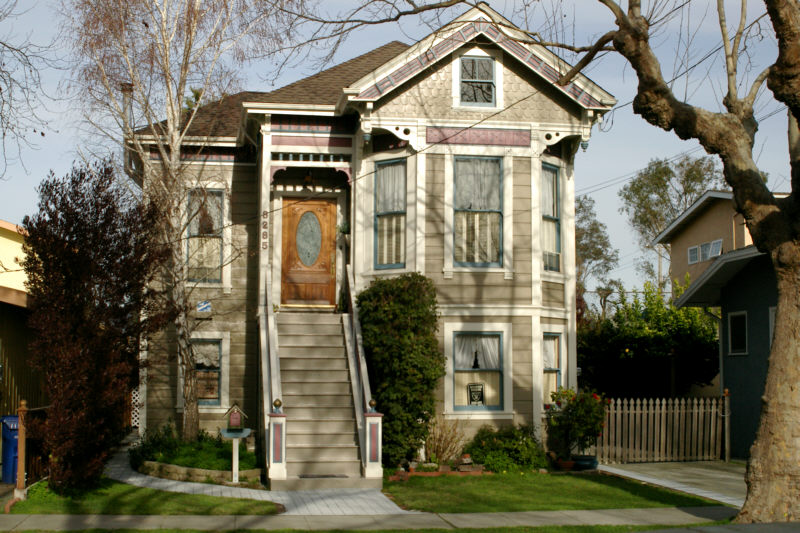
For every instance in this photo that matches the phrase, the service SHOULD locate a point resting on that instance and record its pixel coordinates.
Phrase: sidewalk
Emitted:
(715, 480)
(664, 516)
(302, 502)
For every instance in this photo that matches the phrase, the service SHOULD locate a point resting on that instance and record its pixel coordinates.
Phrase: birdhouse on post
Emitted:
(235, 417)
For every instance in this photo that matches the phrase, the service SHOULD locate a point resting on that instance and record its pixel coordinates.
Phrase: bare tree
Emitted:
(773, 472)
(137, 63)
(21, 98)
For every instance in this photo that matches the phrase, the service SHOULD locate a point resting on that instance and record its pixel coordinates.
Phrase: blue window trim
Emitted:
(499, 262)
(218, 401)
(221, 194)
(493, 82)
(557, 370)
(377, 265)
(557, 218)
(499, 407)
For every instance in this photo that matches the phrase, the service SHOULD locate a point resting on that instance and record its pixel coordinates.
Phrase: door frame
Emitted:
(277, 235)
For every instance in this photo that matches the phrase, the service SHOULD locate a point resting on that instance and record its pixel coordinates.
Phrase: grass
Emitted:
(208, 453)
(539, 529)
(112, 497)
(532, 492)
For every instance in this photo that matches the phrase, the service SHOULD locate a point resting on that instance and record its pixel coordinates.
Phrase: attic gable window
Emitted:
(477, 81)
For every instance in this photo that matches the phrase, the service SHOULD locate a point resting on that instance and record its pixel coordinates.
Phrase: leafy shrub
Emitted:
(445, 440)
(499, 462)
(399, 324)
(574, 421)
(516, 445)
(208, 452)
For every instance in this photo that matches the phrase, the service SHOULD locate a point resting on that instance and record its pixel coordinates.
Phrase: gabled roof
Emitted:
(705, 291)
(692, 212)
(221, 118)
(480, 20)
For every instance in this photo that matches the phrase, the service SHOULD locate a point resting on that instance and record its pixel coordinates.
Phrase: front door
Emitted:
(308, 273)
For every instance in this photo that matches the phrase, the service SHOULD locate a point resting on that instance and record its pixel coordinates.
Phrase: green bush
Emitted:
(498, 449)
(211, 453)
(574, 421)
(398, 325)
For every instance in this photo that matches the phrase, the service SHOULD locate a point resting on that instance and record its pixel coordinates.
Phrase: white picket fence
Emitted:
(669, 429)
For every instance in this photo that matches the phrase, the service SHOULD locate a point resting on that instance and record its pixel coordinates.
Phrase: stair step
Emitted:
(318, 400)
(313, 363)
(317, 387)
(317, 413)
(347, 437)
(349, 468)
(310, 351)
(305, 329)
(284, 317)
(313, 376)
(312, 339)
(317, 483)
(310, 452)
(331, 425)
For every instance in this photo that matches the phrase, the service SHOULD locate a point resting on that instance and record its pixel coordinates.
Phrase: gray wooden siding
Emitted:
(477, 286)
(429, 95)
(234, 313)
(552, 294)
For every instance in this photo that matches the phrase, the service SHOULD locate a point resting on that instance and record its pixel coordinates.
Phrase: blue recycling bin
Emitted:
(10, 435)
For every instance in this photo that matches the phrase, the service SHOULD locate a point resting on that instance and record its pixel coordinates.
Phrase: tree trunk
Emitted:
(773, 472)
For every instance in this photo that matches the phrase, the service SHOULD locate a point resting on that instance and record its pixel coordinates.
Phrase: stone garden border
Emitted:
(185, 473)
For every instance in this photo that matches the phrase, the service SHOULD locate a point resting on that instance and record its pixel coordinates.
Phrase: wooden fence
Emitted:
(670, 429)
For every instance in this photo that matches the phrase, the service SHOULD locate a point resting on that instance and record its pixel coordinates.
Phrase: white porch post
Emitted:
(374, 441)
(277, 446)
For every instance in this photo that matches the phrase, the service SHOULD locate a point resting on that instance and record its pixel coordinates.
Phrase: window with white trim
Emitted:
(705, 251)
(551, 363)
(551, 219)
(208, 369)
(737, 333)
(390, 214)
(477, 370)
(204, 235)
(478, 211)
(477, 81)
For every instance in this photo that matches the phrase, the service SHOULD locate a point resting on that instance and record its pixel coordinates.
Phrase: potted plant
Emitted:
(574, 421)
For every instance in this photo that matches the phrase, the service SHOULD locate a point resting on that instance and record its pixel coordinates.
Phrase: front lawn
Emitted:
(208, 452)
(531, 492)
(112, 497)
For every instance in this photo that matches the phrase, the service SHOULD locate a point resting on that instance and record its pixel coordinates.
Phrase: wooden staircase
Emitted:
(321, 434)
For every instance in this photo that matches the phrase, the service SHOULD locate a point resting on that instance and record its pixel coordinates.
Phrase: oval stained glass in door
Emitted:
(308, 238)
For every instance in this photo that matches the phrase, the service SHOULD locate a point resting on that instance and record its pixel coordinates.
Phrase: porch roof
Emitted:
(706, 290)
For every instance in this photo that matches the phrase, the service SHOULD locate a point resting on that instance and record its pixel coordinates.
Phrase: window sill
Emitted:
(507, 272)
(478, 415)
(549, 275)
(492, 109)
(226, 289)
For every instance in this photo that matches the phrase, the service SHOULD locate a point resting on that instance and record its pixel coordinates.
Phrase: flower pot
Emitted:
(585, 462)
(565, 465)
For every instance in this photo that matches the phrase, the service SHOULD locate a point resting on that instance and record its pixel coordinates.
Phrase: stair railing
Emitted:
(368, 420)
(274, 420)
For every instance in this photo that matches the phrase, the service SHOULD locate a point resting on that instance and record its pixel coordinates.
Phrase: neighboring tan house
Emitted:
(17, 380)
(452, 157)
(735, 277)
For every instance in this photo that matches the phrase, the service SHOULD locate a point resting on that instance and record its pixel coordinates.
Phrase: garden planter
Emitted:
(585, 462)
(565, 465)
(184, 473)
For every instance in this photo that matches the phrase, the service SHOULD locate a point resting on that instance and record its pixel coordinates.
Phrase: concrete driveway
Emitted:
(715, 480)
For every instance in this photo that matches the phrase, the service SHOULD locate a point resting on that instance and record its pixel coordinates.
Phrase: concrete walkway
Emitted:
(668, 516)
(715, 480)
(303, 502)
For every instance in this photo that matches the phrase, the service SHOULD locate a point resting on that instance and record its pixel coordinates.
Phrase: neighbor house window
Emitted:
(551, 355)
(477, 370)
(204, 251)
(551, 219)
(390, 214)
(737, 333)
(705, 251)
(478, 215)
(208, 367)
(477, 81)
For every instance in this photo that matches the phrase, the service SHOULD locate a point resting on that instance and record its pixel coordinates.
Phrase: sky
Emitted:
(620, 147)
